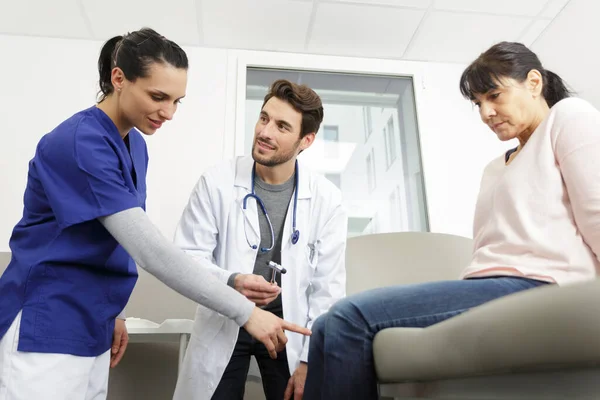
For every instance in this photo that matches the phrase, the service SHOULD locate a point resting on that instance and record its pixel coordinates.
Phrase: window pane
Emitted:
(331, 137)
(368, 122)
(368, 144)
(371, 171)
(391, 141)
(336, 179)
(330, 133)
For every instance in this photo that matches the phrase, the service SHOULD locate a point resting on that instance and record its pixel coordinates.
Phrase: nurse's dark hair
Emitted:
(303, 99)
(509, 60)
(134, 53)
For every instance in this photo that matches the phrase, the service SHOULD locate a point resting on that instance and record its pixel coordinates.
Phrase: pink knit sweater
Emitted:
(539, 216)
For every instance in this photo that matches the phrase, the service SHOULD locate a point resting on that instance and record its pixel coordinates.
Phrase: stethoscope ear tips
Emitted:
(295, 236)
(254, 247)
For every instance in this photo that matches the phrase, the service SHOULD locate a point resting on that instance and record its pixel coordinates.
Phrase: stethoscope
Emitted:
(295, 232)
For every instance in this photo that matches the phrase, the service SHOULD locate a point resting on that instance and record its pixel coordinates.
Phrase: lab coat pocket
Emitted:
(312, 255)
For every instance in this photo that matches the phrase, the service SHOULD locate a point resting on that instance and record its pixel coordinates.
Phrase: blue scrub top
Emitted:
(68, 275)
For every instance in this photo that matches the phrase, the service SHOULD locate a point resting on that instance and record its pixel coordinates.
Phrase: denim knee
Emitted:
(318, 327)
(344, 313)
(336, 313)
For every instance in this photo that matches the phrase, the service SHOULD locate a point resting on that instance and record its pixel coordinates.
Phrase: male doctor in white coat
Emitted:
(245, 213)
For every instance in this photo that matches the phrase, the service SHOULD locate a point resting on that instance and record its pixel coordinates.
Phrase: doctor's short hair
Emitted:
(135, 53)
(303, 99)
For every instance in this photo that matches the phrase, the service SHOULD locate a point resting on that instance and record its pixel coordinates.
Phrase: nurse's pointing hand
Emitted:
(256, 288)
(269, 330)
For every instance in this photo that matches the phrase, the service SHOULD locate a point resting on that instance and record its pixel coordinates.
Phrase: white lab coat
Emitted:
(212, 227)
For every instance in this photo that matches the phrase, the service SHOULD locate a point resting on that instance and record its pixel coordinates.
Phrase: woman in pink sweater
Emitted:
(537, 220)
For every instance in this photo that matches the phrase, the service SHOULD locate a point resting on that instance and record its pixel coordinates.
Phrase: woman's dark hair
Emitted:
(303, 99)
(134, 53)
(509, 60)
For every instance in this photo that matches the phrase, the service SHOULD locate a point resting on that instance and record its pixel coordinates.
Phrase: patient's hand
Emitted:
(256, 288)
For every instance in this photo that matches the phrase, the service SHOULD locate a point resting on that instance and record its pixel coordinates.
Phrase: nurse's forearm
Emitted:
(153, 252)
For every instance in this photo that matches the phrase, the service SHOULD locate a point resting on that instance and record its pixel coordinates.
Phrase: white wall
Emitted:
(40, 88)
(47, 80)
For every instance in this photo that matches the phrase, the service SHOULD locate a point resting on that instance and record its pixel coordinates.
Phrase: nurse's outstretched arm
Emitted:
(153, 252)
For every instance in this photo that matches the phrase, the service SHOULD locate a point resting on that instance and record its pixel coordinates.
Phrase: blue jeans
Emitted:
(340, 360)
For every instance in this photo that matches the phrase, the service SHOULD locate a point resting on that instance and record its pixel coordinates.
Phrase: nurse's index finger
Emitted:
(288, 326)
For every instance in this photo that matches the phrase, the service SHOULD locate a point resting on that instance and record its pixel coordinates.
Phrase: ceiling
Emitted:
(561, 31)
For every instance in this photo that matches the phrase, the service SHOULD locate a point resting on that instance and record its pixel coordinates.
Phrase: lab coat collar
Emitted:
(243, 176)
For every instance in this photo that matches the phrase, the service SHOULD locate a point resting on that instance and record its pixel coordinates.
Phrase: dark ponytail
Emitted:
(134, 53)
(509, 60)
(105, 66)
(554, 88)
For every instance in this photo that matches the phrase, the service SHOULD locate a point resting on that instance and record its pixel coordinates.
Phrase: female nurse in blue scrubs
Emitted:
(84, 229)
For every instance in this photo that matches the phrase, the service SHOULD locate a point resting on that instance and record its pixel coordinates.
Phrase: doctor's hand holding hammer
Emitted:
(256, 288)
